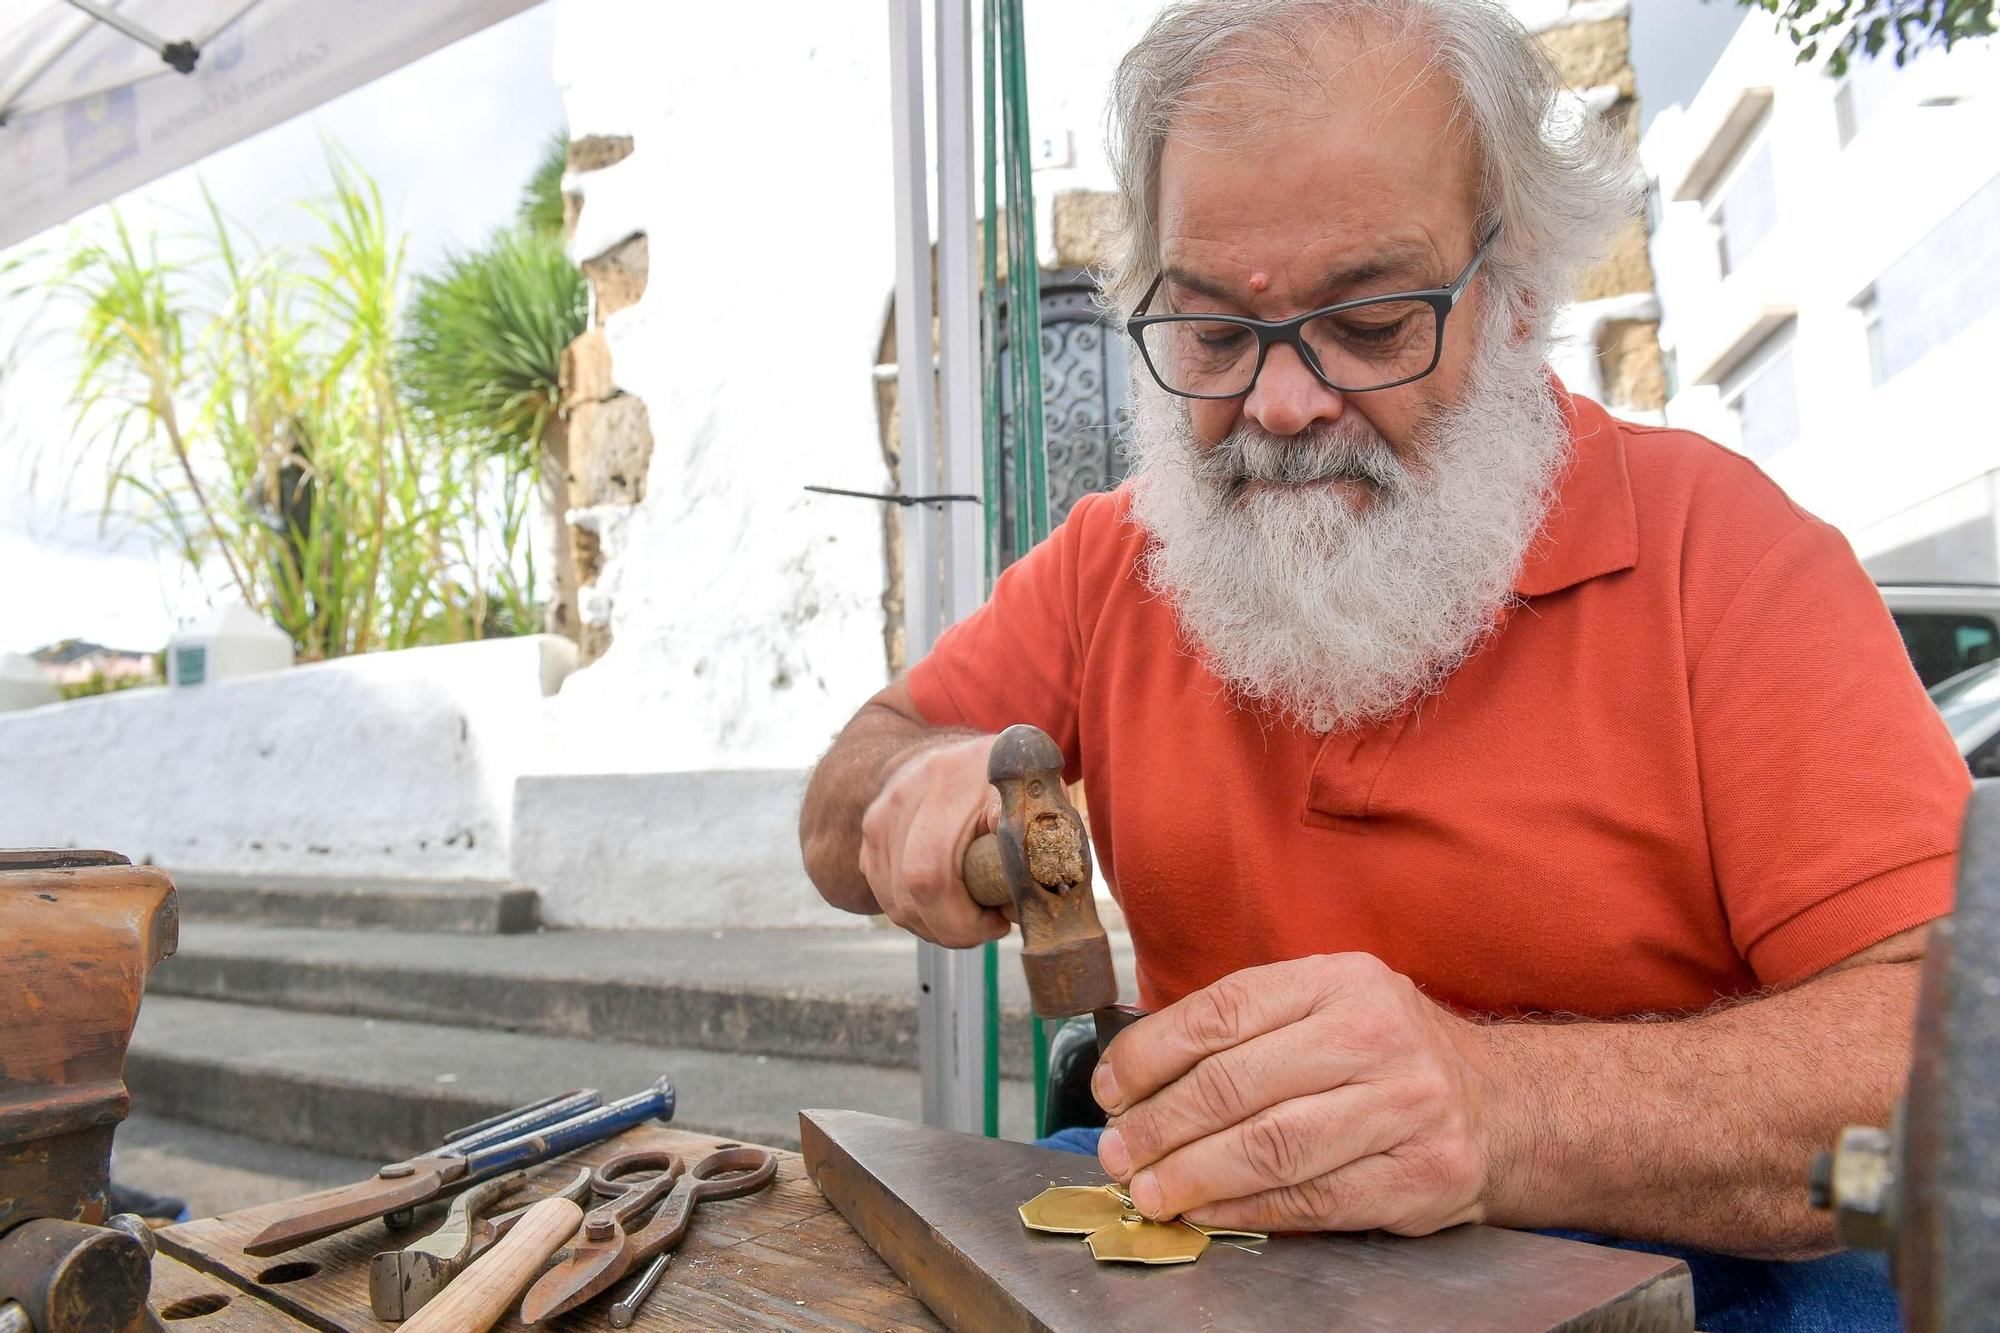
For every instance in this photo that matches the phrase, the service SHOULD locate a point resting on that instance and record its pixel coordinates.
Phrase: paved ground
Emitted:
(383, 1089)
(219, 1173)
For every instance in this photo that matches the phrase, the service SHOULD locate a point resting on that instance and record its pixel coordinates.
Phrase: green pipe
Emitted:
(1028, 413)
(990, 961)
(1041, 1033)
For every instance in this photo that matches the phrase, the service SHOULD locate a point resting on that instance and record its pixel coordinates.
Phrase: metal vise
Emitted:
(82, 931)
(1927, 1190)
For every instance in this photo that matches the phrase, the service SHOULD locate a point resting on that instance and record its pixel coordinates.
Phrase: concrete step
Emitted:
(383, 1089)
(791, 994)
(466, 907)
(216, 1172)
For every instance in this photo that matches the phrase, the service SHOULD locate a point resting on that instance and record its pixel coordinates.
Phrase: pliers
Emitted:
(535, 1134)
(401, 1282)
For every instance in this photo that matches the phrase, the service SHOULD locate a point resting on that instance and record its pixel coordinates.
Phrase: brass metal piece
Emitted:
(1114, 1229)
(1144, 1242)
(1072, 1210)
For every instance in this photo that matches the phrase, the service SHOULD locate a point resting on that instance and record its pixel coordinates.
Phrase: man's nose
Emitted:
(1288, 397)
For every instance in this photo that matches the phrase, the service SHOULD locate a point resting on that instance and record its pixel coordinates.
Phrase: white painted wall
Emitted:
(746, 614)
(684, 851)
(390, 765)
(1890, 464)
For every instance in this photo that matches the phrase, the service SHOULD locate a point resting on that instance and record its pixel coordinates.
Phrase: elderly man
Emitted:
(1569, 816)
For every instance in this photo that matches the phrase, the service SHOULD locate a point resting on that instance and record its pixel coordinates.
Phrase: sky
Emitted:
(1674, 45)
(450, 140)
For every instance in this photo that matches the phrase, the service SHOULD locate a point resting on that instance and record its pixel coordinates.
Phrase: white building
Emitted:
(1827, 254)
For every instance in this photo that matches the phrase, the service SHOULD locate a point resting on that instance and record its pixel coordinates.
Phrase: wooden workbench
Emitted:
(782, 1258)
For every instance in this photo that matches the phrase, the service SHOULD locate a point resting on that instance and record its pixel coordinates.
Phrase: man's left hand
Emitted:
(1319, 1094)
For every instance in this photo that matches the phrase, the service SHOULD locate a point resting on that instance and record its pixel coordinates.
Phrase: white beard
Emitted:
(1333, 617)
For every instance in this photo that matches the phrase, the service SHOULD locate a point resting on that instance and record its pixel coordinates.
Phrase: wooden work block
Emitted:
(940, 1208)
(186, 1298)
(778, 1258)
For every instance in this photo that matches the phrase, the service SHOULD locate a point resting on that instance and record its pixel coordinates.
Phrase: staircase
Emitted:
(366, 1020)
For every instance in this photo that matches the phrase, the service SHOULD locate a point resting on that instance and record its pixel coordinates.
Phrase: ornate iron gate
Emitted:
(1086, 400)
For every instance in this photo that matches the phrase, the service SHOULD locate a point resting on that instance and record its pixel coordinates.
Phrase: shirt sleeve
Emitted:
(1019, 658)
(1833, 791)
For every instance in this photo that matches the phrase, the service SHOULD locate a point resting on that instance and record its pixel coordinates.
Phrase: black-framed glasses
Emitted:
(1377, 342)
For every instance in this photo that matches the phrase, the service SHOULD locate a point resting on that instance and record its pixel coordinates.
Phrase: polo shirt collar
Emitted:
(1591, 528)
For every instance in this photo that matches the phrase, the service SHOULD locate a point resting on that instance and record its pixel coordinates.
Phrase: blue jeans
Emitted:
(1847, 1292)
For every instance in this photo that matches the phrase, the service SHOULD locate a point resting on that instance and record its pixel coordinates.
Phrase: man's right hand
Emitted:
(913, 840)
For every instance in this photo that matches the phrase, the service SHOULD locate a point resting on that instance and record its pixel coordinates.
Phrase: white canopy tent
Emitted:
(100, 96)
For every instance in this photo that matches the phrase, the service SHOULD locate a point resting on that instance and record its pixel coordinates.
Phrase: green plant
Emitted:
(486, 336)
(541, 208)
(482, 360)
(98, 683)
(252, 413)
(1869, 26)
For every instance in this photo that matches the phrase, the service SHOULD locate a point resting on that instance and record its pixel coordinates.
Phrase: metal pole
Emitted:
(950, 986)
(962, 456)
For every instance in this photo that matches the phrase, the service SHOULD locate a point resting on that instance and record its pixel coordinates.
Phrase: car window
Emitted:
(1943, 643)
(1969, 701)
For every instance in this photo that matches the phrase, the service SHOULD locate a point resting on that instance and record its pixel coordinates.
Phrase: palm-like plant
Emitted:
(481, 361)
(485, 339)
(541, 209)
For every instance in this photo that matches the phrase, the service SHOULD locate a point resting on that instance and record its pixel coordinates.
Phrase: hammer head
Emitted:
(1045, 852)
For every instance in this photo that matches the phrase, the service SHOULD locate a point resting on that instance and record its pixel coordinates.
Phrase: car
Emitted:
(1946, 627)
(1970, 705)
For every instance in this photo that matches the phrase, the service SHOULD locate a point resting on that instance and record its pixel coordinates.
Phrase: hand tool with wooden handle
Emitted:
(404, 1185)
(402, 1282)
(1038, 863)
(484, 1291)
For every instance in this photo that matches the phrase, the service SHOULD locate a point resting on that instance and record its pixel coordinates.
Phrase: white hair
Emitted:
(1557, 179)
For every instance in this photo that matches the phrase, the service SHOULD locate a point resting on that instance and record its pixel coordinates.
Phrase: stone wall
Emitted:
(1611, 333)
(609, 436)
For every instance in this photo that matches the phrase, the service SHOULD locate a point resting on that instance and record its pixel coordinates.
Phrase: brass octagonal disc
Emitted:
(1072, 1210)
(1145, 1242)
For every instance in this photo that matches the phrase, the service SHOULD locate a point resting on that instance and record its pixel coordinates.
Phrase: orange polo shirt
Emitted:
(1694, 761)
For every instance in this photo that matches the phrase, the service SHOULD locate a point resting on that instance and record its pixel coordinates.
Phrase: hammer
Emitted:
(1038, 862)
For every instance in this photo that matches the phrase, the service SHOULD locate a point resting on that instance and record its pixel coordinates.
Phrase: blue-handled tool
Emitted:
(524, 1119)
(400, 1186)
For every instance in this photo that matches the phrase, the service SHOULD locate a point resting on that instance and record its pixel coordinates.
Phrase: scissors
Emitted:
(605, 1251)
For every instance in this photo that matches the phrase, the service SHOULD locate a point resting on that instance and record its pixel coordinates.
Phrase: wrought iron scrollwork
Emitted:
(1086, 407)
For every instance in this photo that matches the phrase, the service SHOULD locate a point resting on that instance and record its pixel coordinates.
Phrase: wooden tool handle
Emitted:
(496, 1279)
(985, 874)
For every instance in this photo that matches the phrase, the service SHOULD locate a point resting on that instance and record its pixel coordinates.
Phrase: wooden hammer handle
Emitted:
(496, 1279)
(986, 874)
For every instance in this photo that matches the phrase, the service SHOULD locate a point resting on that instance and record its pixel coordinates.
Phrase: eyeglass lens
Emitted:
(1365, 347)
